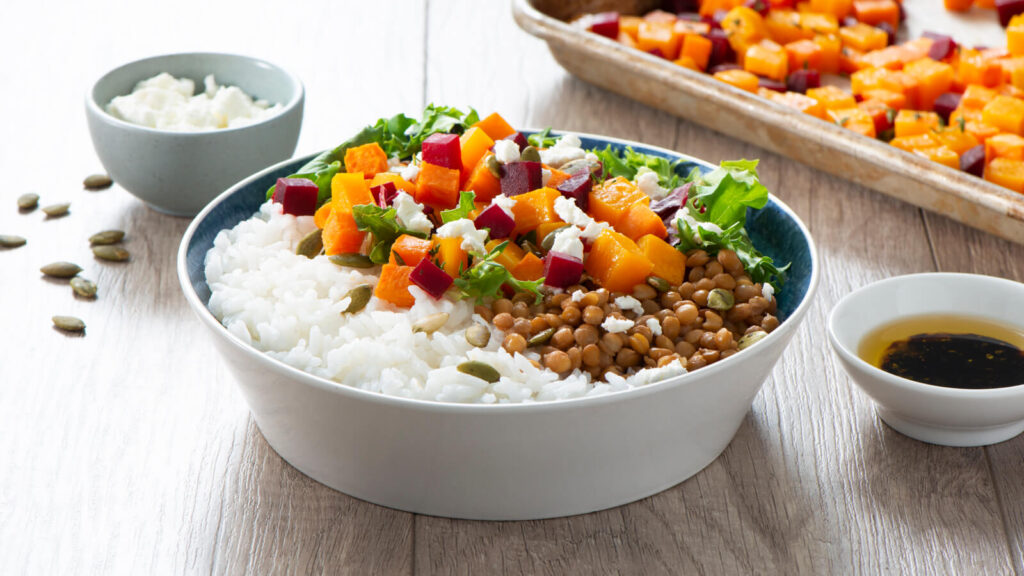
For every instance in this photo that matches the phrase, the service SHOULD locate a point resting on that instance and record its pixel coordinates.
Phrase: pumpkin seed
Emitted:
(11, 241)
(97, 181)
(579, 165)
(430, 324)
(311, 245)
(721, 300)
(354, 260)
(107, 237)
(110, 253)
(530, 154)
(61, 269)
(83, 287)
(69, 323)
(659, 283)
(56, 210)
(28, 201)
(549, 241)
(541, 338)
(493, 166)
(748, 340)
(481, 370)
(477, 335)
(358, 298)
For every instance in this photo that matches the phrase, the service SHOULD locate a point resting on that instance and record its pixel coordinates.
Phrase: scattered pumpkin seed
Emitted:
(69, 323)
(107, 237)
(110, 253)
(721, 300)
(748, 340)
(83, 287)
(477, 335)
(61, 269)
(353, 260)
(659, 283)
(311, 245)
(56, 210)
(358, 298)
(549, 241)
(530, 154)
(481, 370)
(430, 324)
(97, 181)
(28, 201)
(541, 338)
(579, 165)
(11, 241)
(493, 166)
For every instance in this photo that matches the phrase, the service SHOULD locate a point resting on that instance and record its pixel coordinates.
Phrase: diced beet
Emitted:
(770, 84)
(680, 6)
(1008, 9)
(519, 139)
(946, 103)
(721, 50)
(667, 207)
(495, 218)
(723, 67)
(432, 279)
(973, 161)
(889, 32)
(520, 178)
(443, 150)
(578, 188)
(801, 80)
(942, 47)
(759, 6)
(606, 24)
(384, 194)
(656, 52)
(858, 98)
(562, 270)
(296, 195)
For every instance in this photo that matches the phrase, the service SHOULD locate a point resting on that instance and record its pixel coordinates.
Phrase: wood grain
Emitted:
(129, 450)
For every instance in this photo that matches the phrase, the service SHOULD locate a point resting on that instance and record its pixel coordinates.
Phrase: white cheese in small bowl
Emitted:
(168, 103)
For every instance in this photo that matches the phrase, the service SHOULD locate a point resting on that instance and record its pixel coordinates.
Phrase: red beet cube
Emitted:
(297, 195)
(562, 270)
(443, 150)
(578, 187)
(520, 178)
(497, 220)
(721, 51)
(519, 139)
(384, 194)
(430, 278)
(942, 46)
(945, 104)
(973, 161)
(680, 6)
(801, 80)
(606, 24)
(1008, 9)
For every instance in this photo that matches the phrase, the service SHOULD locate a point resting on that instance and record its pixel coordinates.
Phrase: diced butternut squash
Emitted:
(980, 130)
(885, 79)
(804, 54)
(941, 154)
(709, 7)
(409, 250)
(974, 68)
(609, 201)
(348, 190)
(831, 48)
(529, 268)
(321, 215)
(1004, 146)
(958, 5)
(797, 101)
(616, 262)
(368, 159)
(482, 182)
(852, 60)
(629, 25)
(668, 263)
(913, 122)
(509, 256)
(955, 139)
(393, 285)
(915, 142)
(451, 256)
(534, 208)
(783, 26)
(474, 144)
(1006, 172)
(863, 37)
(660, 36)
(894, 100)
(838, 8)
(744, 27)
(687, 62)
(340, 234)
(495, 126)
(1015, 35)
(976, 96)
(1005, 113)
(437, 186)
(874, 12)
(557, 176)
(399, 182)
(934, 79)
(697, 48)
(891, 57)
(819, 23)
(546, 228)
(880, 114)
(854, 119)
(768, 59)
(639, 220)
(832, 98)
(739, 78)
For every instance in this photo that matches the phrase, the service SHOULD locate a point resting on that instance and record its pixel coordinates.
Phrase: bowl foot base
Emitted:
(950, 436)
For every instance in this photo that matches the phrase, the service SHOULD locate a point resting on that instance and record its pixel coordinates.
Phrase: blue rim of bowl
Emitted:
(905, 383)
(298, 95)
(194, 300)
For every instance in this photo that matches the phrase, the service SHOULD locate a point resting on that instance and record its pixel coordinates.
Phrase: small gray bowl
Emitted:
(180, 172)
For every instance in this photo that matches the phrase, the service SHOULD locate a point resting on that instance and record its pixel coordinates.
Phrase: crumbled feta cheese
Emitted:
(570, 213)
(767, 290)
(394, 162)
(566, 149)
(647, 182)
(410, 172)
(472, 239)
(577, 296)
(410, 214)
(545, 176)
(654, 326)
(628, 303)
(506, 151)
(504, 202)
(592, 158)
(567, 241)
(613, 324)
(684, 215)
(652, 375)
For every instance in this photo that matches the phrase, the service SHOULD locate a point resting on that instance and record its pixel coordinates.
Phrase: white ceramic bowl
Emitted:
(180, 172)
(934, 414)
(501, 462)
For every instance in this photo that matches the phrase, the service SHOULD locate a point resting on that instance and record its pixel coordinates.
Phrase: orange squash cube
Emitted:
(1006, 172)
(340, 234)
(474, 145)
(915, 142)
(974, 68)
(942, 155)
(348, 190)
(863, 37)
(322, 214)
(698, 48)
(659, 36)
(509, 256)
(957, 5)
(495, 126)
(610, 200)
(409, 249)
(804, 54)
(934, 79)
(437, 186)
(396, 179)
(893, 100)
(913, 122)
(450, 255)
(529, 268)
(837, 8)
(368, 159)
(616, 262)
(854, 119)
(819, 23)
(745, 27)
(639, 220)
(885, 79)
(629, 25)
(1015, 35)
(668, 262)
(976, 96)
(831, 49)
(1005, 113)
(783, 26)
(1004, 146)
(482, 182)
(535, 208)
(768, 59)
(797, 101)
(687, 62)
(874, 12)
(891, 57)
(393, 285)
(955, 139)
(832, 98)
(739, 78)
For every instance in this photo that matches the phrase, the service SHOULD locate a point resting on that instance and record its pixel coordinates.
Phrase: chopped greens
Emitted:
(383, 224)
(627, 162)
(542, 139)
(485, 279)
(462, 210)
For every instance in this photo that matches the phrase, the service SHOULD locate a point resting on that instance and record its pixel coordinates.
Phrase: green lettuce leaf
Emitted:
(628, 162)
(462, 210)
(542, 139)
(484, 279)
(383, 224)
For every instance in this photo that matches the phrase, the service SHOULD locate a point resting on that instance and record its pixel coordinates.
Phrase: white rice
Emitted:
(291, 308)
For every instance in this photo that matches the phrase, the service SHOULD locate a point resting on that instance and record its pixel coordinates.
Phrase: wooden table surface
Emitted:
(130, 450)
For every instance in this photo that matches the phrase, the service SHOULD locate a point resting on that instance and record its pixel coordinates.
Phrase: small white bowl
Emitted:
(934, 414)
(179, 172)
